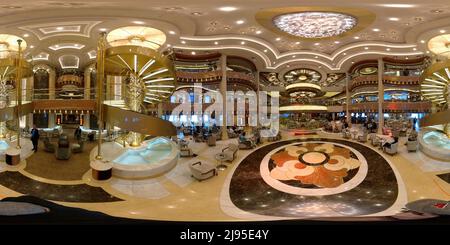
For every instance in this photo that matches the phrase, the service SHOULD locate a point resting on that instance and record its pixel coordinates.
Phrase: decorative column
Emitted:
(160, 110)
(29, 94)
(51, 120)
(380, 95)
(223, 91)
(51, 83)
(347, 98)
(87, 83)
(109, 82)
(257, 97)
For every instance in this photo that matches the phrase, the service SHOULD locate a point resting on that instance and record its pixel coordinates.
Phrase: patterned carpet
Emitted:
(45, 164)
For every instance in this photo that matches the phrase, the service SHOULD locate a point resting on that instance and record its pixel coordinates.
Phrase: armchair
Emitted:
(392, 149)
(411, 145)
(202, 171)
(211, 140)
(48, 147)
(230, 152)
(185, 151)
(363, 137)
(246, 144)
(78, 148)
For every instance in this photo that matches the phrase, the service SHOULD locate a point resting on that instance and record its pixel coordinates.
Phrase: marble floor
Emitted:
(302, 176)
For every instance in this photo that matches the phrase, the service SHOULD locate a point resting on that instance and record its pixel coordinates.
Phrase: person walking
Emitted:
(35, 137)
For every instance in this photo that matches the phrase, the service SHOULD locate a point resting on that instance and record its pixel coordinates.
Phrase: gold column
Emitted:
(19, 91)
(100, 78)
(380, 96)
(347, 98)
(51, 83)
(87, 83)
(223, 91)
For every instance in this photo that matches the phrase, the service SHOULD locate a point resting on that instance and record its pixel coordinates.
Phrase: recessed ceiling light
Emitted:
(196, 13)
(193, 52)
(353, 62)
(102, 29)
(356, 38)
(242, 42)
(337, 42)
(388, 49)
(215, 43)
(59, 28)
(414, 49)
(258, 32)
(297, 43)
(183, 42)
(172, 32)
(422, 41)
(436, 11)
(406, 58)
(278, 38)
(442, 31)
(240, 22)
(375, 29)
(394, 19)
(316, 44)
(428, 52)
(227, 9)
(26, 35)
(138, 22)
(226, 28)
(31, 46)
(293, 56)
(320, 67)
(366, 48)
(168, 45)
(397, 5)
(316, 57)
(344, 53)
(265, 50)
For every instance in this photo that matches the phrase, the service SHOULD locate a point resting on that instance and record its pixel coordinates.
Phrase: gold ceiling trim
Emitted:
(364, 19)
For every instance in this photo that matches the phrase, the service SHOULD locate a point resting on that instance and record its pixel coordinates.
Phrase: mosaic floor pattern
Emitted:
(313, 177)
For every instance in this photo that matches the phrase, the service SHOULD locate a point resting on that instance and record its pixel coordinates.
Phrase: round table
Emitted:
(12, 156)
(101, 170)
(221, 158)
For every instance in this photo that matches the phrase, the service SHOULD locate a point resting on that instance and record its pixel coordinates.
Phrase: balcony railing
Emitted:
(372, 80)
(388, 106)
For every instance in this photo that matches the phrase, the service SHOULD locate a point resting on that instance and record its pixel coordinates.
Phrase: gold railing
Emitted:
(372, 80)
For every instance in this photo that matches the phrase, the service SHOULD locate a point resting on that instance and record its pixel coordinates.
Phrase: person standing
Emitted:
(35, 137)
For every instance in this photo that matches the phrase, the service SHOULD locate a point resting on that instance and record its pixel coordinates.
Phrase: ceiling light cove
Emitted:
(397, 5)
(137, 36)
(56, 29)
(56, 47)
(227, 8)
(92, 54)
(69, 62)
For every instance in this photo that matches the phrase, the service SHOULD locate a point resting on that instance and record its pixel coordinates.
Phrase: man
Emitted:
(77, 133)
(34, 137)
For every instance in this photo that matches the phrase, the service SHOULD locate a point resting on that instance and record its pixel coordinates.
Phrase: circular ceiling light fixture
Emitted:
(315, 24)
(136, 36)
(8, 44)
(440, 45)
(302, 75)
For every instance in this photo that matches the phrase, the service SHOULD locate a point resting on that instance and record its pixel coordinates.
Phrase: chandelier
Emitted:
(315, 24)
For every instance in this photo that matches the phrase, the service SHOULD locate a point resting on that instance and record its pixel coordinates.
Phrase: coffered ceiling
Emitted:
(62, 32)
